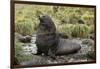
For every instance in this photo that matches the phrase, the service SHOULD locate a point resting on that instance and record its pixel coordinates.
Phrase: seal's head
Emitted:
(45, 19)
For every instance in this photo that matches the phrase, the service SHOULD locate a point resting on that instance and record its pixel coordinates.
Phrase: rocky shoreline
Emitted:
(80, 56)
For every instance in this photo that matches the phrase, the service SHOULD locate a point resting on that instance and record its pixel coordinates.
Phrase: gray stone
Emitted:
(88, 42)
(36, 61)
(29, 49)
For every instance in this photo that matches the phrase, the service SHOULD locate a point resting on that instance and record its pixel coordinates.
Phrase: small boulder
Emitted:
(88, 42)
(23, 39)
(37, 60)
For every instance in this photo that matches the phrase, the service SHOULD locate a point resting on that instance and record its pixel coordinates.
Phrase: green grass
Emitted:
(80, 30)
(18, 50)
(65, 29)
(74, 30)
(24, 28)
(19, 57)
(92, 28)
(26, 19)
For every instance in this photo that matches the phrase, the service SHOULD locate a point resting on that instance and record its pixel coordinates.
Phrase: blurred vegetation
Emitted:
(91, 54)
(18, 50)
(24, 28)
(80, 31)
(19, 57)
(66, 19)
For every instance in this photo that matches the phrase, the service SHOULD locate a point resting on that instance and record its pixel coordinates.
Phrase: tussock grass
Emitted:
(80, 30)
(26, 19)
(74, 30)
(24, 28)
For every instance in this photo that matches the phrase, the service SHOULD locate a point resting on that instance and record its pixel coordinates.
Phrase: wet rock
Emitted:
(33, 39)
(37, 60)
(29, 49)
(88, 42)
(92, 55)
(92, 36)
(24, 39)
(69, 50)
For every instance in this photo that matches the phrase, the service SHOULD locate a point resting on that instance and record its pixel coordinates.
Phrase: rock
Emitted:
(67, 47)
(37, 60)
(88, 42)
(29, 49)
(92, 36)
(84, 54)
(17, 35)
(33, 39)
(92, 55)
(24, 39)
(77, 60)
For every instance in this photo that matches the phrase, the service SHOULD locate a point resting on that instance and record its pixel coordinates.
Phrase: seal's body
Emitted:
(46, 39)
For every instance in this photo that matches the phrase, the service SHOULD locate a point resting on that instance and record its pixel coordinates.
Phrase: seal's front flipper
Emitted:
(51, 54)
